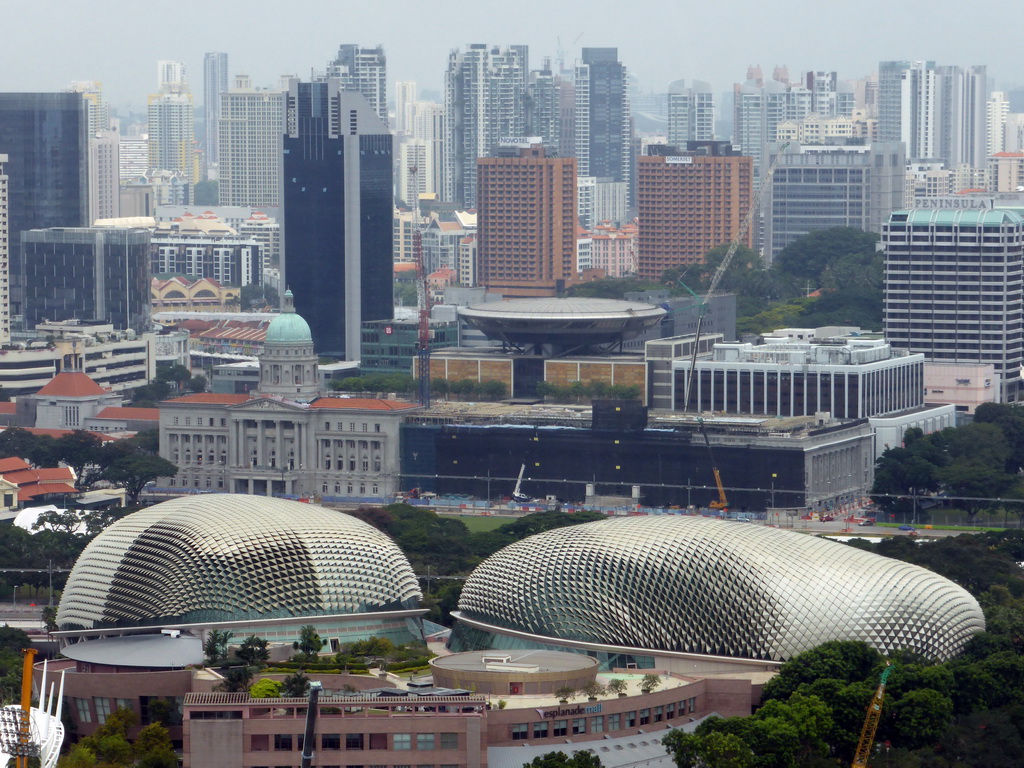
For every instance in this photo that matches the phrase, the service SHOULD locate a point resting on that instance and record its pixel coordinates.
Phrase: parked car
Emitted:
(907, 528)
(869, 521)
(827, 518)
(743, 519)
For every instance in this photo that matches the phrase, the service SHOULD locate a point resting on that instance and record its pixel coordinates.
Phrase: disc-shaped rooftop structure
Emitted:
(572, 323)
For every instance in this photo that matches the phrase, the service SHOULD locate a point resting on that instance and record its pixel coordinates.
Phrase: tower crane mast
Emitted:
(422, 301)
(874, 714)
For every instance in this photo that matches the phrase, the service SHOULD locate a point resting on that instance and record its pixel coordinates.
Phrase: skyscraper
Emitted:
(822, 186)
(691, 112)
(689, 201)
(604, 144)
(68, 273)
(171, 124)
(405, 99)
(526, 222)
(485, 89)
(365, 71)
(215, 82)
(251, 125)
(104, 153)
(44, 136)
(939, 112)
(5, 295)
(338, 210)
(996, 110)
(952, 298)
(543, 108)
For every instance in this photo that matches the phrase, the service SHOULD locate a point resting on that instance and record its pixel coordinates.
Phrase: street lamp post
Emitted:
(773, 489)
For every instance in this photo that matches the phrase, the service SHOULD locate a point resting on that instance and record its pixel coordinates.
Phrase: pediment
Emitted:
(266, 404)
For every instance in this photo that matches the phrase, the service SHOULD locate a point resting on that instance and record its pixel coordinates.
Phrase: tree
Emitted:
(650, 682)
(618, 686)
(593, 689)
(565, 693)
(493, 390)
(153, 748)
(236, 680)
(309, 643)
(134, 472)
(266, 688)
(177, 374)
(216, 646)
(295, 685)
(920, 717)
(810, 256)
(253, 651)
(205, 192)
(579, 759)
(15, 441)
(197, 383)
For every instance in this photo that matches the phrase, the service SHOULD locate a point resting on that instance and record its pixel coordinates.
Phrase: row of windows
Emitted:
(558, 728)
(286, 742)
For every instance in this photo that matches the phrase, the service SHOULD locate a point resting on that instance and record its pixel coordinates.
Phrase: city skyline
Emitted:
(417, 44)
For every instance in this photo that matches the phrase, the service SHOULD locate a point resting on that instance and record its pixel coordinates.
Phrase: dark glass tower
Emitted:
(604, 131)
(338, 207)
(83, 274)
(44, 136)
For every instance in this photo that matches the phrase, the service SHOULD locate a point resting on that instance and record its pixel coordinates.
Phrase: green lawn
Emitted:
(483, 523)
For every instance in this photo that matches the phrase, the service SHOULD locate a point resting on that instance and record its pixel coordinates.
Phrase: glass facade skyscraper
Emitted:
(338, 210)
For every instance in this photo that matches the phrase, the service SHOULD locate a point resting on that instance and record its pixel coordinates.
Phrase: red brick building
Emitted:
(526, 236)
(689, 202)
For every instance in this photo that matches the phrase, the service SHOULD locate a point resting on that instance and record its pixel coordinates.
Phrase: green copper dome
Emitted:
(289, 327)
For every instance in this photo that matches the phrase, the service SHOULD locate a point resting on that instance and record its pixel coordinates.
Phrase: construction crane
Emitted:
(722, 502)
(874, 714)
(309, 734)
(422, 300)
(716, 278)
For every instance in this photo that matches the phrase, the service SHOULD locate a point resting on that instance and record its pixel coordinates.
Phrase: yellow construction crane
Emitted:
(722, 502)
(867, 734)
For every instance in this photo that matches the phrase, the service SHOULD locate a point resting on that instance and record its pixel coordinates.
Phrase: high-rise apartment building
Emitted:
(996, 110)
(338, 205)
(688, 202)
(104, 153)
(251, 126)
(70, 273)
(821, 186)
(484, 101)
(171, 117)
(526, 222)
(938, 112)
(761, 106)
(5, 288)
(215, 82)
(99, 112)
(953, 288)
(691, 112)
(1006, 172)
(604, 129)
(45, 138)
(405, 100)
(543, 108)
(365, 71)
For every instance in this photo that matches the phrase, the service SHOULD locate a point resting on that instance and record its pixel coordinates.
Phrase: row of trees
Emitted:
(975, 467)
(129, 463)
(169, 382)
(965, 712)
(578, 391)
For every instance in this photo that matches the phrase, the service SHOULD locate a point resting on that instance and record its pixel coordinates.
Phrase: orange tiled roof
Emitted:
(135, 414)
(31, 491)
(12, 464)
(8, 407)
(61, 432)
(210, 398)
(72, 384)
(360, 404)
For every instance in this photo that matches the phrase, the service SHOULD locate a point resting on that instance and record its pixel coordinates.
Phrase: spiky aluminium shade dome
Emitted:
(702, 586)
(232, 557)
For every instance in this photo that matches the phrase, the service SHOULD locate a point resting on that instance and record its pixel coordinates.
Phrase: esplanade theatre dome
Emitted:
(692, 585)
(220, 558)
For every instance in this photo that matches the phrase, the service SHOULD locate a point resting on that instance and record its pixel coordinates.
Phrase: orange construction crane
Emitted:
(722, 502)
(867, 734)
(25, 746)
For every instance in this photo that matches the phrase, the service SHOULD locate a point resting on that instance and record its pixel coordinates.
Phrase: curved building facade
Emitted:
(688, 587)
(239, 560)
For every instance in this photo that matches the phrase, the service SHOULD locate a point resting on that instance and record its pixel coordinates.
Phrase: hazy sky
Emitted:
(49, 43)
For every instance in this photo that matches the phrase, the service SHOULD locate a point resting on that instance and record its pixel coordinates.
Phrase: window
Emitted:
(364, 427)
(353, 741)
(175, 421)
(283, 742)
(376, 427)
(188, 421)
(102, 706)
(579, 725)
(351, 426)
(631, 719)
(449, 741)
(659, 714)
(401, 741)
(124, 704)
(645, 716)
(84, 713)
(540, 730)
(520, 731)
(424, 741)
(561, 728)
(331, 741)
(597, 724)
(670, 711)
(613, 722)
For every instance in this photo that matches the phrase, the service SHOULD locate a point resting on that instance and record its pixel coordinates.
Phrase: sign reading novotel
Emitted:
(551, 714)
(520, 141)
